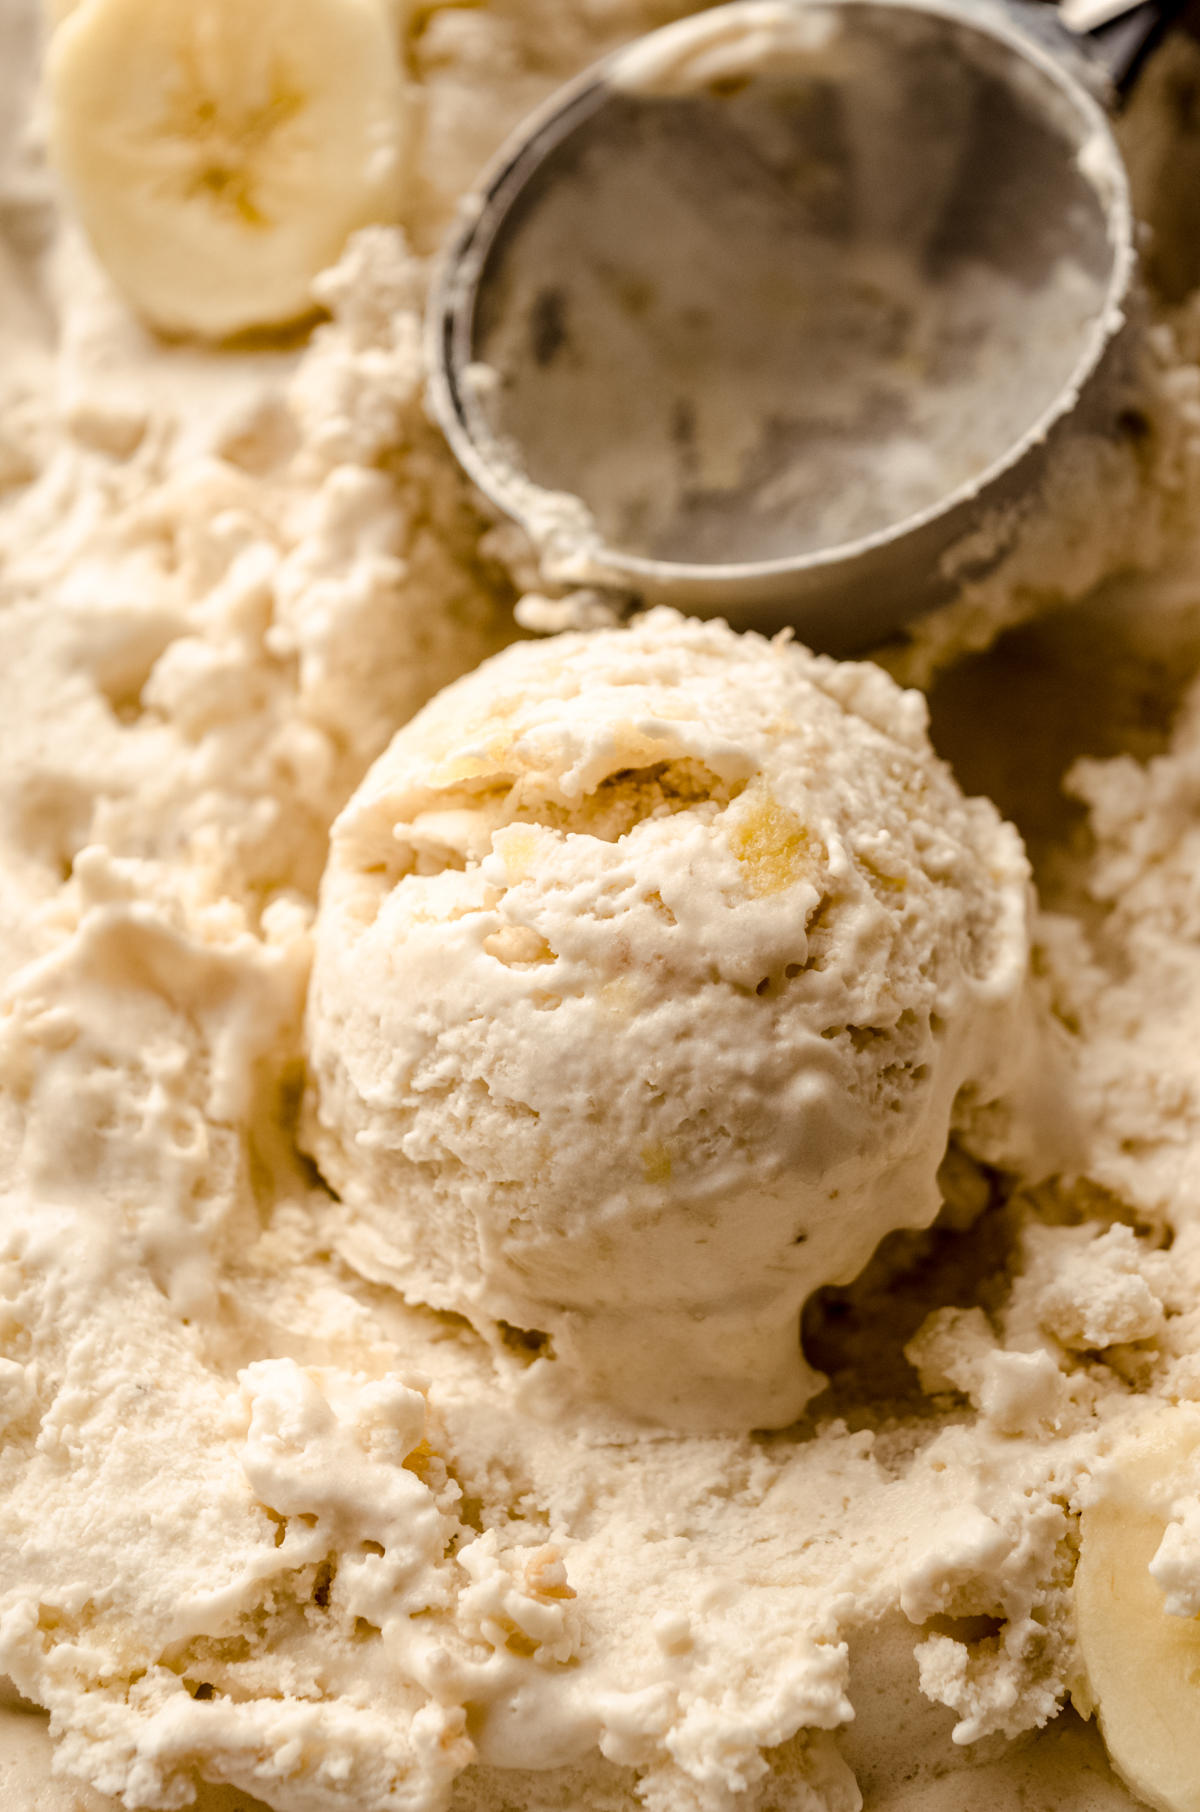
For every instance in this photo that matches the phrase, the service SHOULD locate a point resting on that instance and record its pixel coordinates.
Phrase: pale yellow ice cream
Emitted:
(282, 1535)
(650, 966)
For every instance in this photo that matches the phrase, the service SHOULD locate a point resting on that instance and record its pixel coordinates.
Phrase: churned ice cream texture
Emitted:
(650, 968)
(275, 1532)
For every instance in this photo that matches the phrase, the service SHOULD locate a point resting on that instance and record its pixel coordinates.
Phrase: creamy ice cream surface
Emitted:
(421, 1058)
(650, 967)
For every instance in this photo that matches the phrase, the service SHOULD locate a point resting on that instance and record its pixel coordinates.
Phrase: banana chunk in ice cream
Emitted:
(219, 154)
(1137, 1598)
(650, 965)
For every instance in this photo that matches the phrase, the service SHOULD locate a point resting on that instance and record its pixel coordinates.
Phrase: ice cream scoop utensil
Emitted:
(1125, 33)
(782, 313)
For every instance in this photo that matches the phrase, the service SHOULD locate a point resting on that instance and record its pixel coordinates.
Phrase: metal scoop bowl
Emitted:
(781, 312)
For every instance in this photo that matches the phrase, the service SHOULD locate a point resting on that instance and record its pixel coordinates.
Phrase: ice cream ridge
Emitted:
(653, 967)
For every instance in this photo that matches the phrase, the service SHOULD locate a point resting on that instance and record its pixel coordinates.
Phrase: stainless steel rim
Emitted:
(450, 314)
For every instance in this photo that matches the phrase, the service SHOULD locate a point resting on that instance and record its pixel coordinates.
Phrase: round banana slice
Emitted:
(1143, 1665)
(219, 152)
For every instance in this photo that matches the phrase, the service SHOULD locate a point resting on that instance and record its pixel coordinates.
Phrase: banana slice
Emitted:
(219, 152)
(1143, 1665)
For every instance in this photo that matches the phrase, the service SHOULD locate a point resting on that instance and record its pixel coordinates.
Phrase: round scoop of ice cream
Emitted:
(649, 966)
